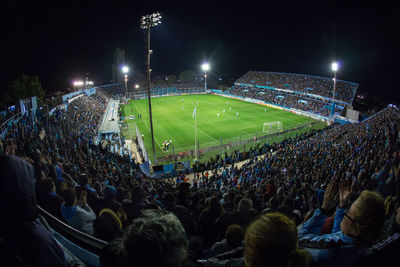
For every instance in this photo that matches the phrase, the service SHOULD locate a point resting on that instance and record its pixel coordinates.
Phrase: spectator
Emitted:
(134, 208)
(233, 239)
(24, 241)
(207, 218)
(78, 214)
(386, 251)
(155, 240)
(48, 199)
(271, 240)
(353, 228)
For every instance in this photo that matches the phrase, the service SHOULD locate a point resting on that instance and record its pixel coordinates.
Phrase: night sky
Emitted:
(62, 41)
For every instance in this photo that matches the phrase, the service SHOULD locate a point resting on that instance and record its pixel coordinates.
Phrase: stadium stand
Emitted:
(293, 178)
(304, 92)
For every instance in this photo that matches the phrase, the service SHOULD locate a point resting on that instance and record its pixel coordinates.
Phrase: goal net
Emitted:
(272, 127)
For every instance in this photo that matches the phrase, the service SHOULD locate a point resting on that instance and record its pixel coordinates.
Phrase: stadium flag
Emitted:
(194, 111)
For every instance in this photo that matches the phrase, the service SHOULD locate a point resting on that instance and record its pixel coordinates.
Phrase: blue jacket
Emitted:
(81, 217)
(334, 249)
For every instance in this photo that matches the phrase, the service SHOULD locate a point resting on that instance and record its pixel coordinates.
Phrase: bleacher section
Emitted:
(308, 93)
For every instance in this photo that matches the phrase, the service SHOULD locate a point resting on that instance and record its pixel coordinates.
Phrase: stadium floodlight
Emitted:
(151, 20)
(125, 70)
(147, 22)
(205, 67)
(335, 67)
(136, 86)
(78, 83)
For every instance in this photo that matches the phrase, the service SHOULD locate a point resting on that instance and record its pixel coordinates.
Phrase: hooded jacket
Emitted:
(27, 242)
(81, 217)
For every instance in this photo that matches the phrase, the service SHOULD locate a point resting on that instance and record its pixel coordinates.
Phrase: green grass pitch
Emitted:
(173, 119)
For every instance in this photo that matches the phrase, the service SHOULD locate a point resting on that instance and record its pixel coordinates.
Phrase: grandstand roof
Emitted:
(110, 120)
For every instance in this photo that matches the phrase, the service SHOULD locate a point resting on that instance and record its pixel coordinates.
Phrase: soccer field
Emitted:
(173, 120)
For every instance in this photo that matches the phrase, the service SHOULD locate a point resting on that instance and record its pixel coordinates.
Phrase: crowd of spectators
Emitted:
(345, 91)
(287, 191)
(288, 100)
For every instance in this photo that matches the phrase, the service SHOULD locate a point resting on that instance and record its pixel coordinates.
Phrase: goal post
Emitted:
(272, 127)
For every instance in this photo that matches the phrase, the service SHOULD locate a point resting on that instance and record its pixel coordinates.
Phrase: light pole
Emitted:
(147, 22)
(125, 70)
(335, 67)
(205, 67)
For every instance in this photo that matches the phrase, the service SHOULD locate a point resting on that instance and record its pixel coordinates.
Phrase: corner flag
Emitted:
(194, 111)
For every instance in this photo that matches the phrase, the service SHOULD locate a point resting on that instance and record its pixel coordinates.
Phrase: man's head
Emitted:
(234, 235)
(83, 179)
(271, 240)
(69, 196)
(156, 240)
(245, 205)
(365, 217)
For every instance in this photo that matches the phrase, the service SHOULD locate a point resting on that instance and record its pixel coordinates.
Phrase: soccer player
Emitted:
(218, 114)
(237, 114)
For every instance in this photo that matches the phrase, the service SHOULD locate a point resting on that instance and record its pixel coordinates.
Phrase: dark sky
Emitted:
(62, 41)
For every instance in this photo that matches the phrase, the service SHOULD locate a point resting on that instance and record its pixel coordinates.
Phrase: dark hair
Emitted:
(69, 196)
(83, 179)
(107, 225)
(271, 240)
(234, 235)
(155, 240)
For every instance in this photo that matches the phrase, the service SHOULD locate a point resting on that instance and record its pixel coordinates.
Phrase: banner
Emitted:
(168, 168)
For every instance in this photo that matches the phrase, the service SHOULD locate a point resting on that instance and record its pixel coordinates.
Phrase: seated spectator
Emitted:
(108, 200)
(386, 251)
(155, 240)
(78, 214)
(84, 185)
(134, 207)
(181, 212)
(353, 229)
(233, 239)
(24, 241)
(49, 200)
(245, 212)
(108, 225)
(271, 240)
(207, 219)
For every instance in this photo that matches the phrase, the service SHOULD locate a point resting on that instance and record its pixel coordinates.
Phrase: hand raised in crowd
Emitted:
(345, 190)
(331, 195)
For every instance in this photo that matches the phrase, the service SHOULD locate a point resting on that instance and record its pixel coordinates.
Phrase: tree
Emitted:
(23, 87)
(187, 76)
(171, 79)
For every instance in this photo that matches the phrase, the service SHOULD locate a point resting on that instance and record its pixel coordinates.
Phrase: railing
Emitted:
(90, 243)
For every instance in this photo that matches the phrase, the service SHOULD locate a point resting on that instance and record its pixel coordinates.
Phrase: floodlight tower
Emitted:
(335, 67)
(125, 70)
(205, 67)
(147, 22)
